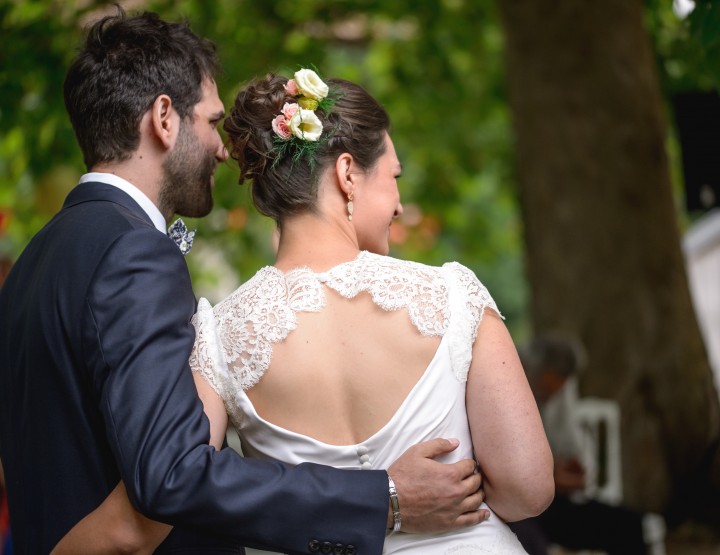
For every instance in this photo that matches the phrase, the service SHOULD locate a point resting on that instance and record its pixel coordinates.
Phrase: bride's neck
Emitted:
(315, 241)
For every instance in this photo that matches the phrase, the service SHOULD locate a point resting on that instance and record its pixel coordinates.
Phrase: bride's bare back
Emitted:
(342, 374)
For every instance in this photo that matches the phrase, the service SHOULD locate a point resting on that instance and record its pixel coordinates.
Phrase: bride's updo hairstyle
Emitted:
(283, 185)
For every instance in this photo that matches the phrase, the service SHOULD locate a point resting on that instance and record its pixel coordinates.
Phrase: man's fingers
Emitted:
(466, 468)
(471, 513)
(437, 497)
(472, 518)
(435, 447)
(472, 502)
(470, 484)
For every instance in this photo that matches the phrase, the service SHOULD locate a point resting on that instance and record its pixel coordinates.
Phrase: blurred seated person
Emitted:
(552, 363)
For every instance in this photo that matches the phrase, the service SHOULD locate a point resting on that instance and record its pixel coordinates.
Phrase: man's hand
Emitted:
(436, 497)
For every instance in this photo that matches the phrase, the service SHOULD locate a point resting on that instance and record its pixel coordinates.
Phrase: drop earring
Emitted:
(350, 206)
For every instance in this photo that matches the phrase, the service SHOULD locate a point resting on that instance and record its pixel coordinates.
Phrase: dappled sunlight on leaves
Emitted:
(437, 67)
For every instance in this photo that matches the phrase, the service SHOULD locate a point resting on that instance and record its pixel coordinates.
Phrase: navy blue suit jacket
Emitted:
(95, 387)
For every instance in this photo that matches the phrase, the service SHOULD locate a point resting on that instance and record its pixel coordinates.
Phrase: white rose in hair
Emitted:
(305, 125)
(310, 85)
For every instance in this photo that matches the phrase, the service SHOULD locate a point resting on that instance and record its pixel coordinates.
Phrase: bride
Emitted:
(341, 355)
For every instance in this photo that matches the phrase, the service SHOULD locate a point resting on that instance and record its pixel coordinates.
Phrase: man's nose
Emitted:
(222, 153)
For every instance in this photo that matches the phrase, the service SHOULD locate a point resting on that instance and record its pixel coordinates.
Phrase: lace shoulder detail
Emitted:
(468, 299)
(443, 300)
(395, 284)
(237, 345)
(208, 358)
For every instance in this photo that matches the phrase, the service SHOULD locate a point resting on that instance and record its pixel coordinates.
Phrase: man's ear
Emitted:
(165, 121)
(346, 173)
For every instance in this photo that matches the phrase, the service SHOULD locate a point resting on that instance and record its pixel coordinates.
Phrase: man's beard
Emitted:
(187, 177)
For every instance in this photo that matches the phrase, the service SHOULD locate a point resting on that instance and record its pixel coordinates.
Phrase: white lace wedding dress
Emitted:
(235, 341)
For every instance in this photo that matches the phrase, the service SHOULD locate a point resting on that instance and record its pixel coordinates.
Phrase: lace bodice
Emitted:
(239, 332)
(234, 347)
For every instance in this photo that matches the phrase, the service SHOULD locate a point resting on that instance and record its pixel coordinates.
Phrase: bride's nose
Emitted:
(398, 210)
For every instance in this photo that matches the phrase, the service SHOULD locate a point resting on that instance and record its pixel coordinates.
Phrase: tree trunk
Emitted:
(602, 241)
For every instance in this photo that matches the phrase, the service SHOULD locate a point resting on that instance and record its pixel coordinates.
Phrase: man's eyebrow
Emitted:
(220, 114)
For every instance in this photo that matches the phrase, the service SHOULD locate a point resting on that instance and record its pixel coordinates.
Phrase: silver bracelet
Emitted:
(395, 504)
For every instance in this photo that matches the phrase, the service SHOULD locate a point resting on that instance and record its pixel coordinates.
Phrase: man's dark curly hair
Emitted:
(124, 65)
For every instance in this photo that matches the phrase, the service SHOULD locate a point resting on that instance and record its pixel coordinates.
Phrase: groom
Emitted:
(95, 335)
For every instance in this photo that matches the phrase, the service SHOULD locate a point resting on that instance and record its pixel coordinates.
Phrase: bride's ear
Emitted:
(346, 173)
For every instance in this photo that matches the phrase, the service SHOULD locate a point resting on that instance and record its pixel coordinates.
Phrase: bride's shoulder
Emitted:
(460, 272)
(398, 265)
(451, 276)
(264, 281)
(423, 271)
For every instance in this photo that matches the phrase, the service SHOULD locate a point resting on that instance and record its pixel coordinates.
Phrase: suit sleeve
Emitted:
(140, 305)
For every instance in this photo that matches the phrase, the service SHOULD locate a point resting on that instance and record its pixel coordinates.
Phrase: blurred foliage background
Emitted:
(436, 65)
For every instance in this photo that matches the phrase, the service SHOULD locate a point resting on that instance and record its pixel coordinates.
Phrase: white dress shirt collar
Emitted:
(136, 194)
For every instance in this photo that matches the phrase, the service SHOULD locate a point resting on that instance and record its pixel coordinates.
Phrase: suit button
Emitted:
(326, 547)
(339, 549)
(350, 550)
(314, 546)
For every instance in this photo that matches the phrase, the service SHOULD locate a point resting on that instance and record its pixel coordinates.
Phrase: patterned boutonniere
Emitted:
(183, 238)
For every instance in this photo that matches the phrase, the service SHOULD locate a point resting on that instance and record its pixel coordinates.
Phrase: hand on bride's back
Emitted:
(436, 497)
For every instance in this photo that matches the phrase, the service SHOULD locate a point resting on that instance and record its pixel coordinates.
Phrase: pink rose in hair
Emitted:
(281, 127)
(291, 87)
(289, 110)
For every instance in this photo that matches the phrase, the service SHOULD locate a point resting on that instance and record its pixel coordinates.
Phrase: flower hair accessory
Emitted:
(298, 125)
